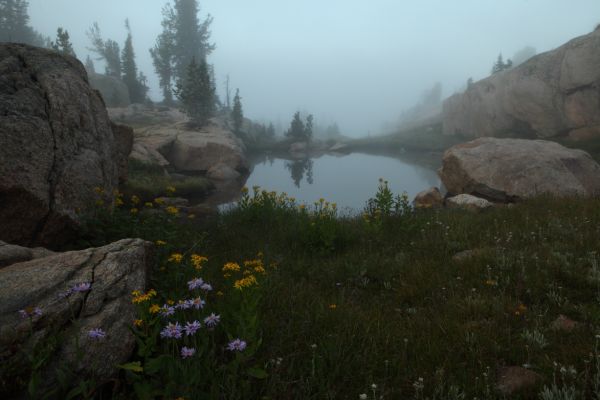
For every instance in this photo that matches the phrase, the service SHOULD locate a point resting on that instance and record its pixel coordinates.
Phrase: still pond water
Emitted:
(347, 180)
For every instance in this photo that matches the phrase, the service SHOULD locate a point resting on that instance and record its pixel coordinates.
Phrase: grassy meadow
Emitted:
(275, 300)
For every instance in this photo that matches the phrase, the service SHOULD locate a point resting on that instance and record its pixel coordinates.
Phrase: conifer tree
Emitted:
(14, 24)
(270, 131)
(63, 44)
(130, 71)
(500, 65)
(196, 93)
(237, 114)
(308, 128)
(107, 50)
(297, 128)
(184, 37)
(163, 55)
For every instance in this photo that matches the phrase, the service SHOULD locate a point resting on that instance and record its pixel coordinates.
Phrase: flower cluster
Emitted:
(176, 258)
(141, 297)
(245, 282)
(198, 261)
(198, 283)
(30, 312)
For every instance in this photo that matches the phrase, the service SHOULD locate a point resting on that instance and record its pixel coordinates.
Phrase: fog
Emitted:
(359, 63)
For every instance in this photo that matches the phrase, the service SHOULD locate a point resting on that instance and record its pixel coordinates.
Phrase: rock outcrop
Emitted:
(514, 169)
(11, 254)
(40, 289)
(56, 145)
(468, 202)
(552, 94)
(123, 144)
(187, 150)
(430, 198)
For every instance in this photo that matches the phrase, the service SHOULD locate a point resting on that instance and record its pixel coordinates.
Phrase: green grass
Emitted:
(150, 181)
(348, 302)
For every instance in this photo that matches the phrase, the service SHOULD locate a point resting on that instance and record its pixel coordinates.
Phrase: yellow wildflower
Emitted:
(332, 306)
(170, 302)
(152, 293)
(491, 282)
(198, 260)
(159, 201)
(244, 190)
(170, 189)
(118, 202)
(226, 276)
(172, 210)
(148, 204)
(176, 258)
(160, 242)
(135, 199)
(138, 322)
(136, 293)
(100, 203)
(231, 266)
(260, 269)
(219, 293)
(245, 282)
(134, 211)
(154, 308)
(521, 309)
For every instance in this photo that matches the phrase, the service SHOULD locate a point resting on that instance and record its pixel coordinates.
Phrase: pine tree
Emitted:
(308, 128)
(63, 44)
(191, 37)
(271, 131)
(237, 114)
(297, 129)
(14, 24)
(107, 50)
(500, 65)
(196, 93)
(89, 66)
(129, 69)
(163, 54)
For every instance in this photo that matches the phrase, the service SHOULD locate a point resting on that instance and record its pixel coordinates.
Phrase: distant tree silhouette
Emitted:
(197, 93)
(500, 65)
(131, 77)
(14, 24)
(237, 114)
(106, 50)
(300, 130)
(63, 44)
(184, 37)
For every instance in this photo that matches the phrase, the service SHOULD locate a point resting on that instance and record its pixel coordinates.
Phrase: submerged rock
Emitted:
(515, 169)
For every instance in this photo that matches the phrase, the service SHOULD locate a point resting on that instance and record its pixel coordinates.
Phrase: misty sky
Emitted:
(359, 63)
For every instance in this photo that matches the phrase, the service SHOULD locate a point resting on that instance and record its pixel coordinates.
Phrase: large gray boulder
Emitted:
(514, 169)
(552, 94)
(113, 271)
(56, 145)
(190, 150)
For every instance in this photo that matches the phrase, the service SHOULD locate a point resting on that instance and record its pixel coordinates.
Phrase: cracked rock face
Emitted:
(556, 93)
(56, 145)
(114, 271)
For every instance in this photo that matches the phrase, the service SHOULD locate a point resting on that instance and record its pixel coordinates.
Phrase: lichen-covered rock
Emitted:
(468, 202)
(56, 145)
(113, 271)
(514, 169)
(552, 94)
(11, 254)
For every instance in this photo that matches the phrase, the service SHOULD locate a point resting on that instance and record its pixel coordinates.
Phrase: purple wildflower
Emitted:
(187, 352)
(212, 320)
(65, 294)
(30, 312)
(172, 331)
(186, 304)
(81, 287)
(206, 287)
(97, 333)
(236, 345)
(195, 283)
(191, 328)
(167, 310)
(198, 303)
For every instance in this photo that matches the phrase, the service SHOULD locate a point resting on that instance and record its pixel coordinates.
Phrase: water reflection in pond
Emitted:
(347, 180)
